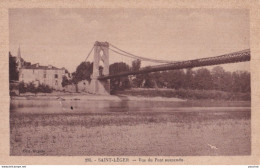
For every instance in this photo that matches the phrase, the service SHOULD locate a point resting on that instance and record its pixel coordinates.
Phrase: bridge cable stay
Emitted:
(143, 59)
(89, 53)
(127, 54)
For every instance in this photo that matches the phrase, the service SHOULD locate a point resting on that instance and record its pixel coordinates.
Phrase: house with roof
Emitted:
(38, 74)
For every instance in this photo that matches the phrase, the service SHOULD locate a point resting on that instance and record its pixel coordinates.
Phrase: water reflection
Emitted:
(123, 106)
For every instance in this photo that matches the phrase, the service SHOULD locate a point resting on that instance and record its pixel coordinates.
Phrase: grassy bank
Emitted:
(187, 94)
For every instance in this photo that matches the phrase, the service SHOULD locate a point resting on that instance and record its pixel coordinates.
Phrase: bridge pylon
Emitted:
(101, 87)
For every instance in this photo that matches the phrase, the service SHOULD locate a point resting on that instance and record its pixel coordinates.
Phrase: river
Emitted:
(129, 128)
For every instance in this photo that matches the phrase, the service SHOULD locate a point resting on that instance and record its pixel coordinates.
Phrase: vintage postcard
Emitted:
(126, 83)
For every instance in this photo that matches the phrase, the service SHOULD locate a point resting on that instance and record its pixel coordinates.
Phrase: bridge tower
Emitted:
(102, 86)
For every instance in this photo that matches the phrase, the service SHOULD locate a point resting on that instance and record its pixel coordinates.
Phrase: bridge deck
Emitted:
(240, 56)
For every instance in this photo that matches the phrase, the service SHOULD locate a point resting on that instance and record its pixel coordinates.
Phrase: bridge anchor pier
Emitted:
(100, 86)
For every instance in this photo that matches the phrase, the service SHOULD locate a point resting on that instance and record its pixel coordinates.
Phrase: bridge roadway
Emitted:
(240, 56)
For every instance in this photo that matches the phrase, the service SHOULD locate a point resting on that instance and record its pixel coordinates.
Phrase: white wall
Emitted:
(37, 76)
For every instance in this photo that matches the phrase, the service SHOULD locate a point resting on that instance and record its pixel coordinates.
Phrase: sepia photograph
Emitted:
(129, 82)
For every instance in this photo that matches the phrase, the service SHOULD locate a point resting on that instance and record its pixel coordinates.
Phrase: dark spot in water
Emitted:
(71, 108)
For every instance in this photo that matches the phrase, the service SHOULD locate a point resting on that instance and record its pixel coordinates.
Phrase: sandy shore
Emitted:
(160, 139)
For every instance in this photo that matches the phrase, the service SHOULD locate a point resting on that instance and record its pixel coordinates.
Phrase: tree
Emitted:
(138, 79)
(21, 87)
(83, 72)
(245, 81)
(144, 80)
(158, 79)
(31, 88)
(13, 72)
(203, 79)
(175, 79)
(136, 65)
(188, 79)
(65, 81)
(227, 82)
(119, 82)
(218, 76)
(241, 81)
(147, 80)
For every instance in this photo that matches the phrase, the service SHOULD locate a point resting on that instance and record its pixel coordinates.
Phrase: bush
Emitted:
(13, 94)
(21, 87)
(30, 87)
(44, 88)
(65, 81)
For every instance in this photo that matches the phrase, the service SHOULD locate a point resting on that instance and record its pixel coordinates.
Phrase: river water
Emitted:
(127, 128)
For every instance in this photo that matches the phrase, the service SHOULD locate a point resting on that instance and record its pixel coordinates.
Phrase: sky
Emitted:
(64, 37)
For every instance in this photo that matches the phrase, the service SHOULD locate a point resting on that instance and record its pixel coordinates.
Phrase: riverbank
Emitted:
(186, 94)
(85, 96)
(141, 94)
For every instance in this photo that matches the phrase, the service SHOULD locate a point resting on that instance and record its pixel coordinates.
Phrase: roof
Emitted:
(34, 66)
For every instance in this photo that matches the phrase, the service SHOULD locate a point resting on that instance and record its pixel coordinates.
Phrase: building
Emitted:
(48, 75)
(38, 74)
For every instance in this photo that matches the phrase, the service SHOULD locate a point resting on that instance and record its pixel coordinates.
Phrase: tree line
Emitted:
(199, 79)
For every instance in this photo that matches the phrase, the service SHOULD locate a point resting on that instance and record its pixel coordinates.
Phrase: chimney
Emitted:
(49, 66)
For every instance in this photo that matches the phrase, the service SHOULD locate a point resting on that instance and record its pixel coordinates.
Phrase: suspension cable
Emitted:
(127, 54)
(140, 58)
(124, 54)
(89, 53)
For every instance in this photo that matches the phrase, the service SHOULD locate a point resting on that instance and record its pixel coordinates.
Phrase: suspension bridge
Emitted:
(100, 83)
